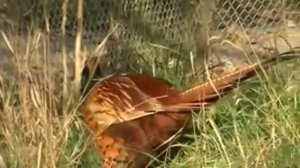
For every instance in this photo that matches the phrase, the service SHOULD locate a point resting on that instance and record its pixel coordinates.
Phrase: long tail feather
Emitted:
(211, 91)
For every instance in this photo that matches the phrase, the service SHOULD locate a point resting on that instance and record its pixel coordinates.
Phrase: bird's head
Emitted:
(89, 73)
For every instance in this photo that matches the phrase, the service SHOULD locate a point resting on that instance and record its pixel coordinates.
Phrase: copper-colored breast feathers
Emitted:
(132, 142)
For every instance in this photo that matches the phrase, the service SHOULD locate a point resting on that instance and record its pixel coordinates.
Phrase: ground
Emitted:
(255, 126)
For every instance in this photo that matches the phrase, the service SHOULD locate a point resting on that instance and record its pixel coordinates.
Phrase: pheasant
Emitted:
(134, 115)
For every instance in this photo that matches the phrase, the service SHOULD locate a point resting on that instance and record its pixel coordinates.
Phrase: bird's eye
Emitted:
(86, 74)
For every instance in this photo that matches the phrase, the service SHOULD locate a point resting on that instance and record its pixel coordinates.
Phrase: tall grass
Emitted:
(35, 127)
(256, 126)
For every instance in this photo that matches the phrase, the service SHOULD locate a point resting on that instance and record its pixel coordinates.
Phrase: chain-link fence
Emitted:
(257, 14)
(164, 27)
(167, 16)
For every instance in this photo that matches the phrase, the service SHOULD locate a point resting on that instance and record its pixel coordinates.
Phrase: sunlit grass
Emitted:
(37, 128)
(258, 125)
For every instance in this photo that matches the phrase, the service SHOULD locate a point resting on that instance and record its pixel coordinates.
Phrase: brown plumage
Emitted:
(140, 112)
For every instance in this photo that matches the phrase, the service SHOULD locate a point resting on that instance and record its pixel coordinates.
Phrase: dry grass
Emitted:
(39, 97)
(40, 125)
(37, 119)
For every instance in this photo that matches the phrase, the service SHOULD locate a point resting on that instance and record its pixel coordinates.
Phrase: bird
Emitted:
(133, 116)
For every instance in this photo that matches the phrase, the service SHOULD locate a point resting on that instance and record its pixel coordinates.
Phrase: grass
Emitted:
(255, 126)
(258, 125)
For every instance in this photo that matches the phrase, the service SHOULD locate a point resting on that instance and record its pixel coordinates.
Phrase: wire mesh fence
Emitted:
(166, 16)
(164, 27)
(256, 14)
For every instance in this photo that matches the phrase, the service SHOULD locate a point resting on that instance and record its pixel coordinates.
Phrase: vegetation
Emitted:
(257, 125)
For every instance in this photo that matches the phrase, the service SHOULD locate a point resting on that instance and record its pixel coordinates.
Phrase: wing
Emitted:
(128, 97)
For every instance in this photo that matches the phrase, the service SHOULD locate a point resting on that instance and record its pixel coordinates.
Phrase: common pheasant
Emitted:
(132, 115)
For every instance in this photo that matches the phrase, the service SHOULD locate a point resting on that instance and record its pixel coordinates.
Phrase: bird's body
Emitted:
(133, 93)
(127, 97)
(141, 137)
(142, 112)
